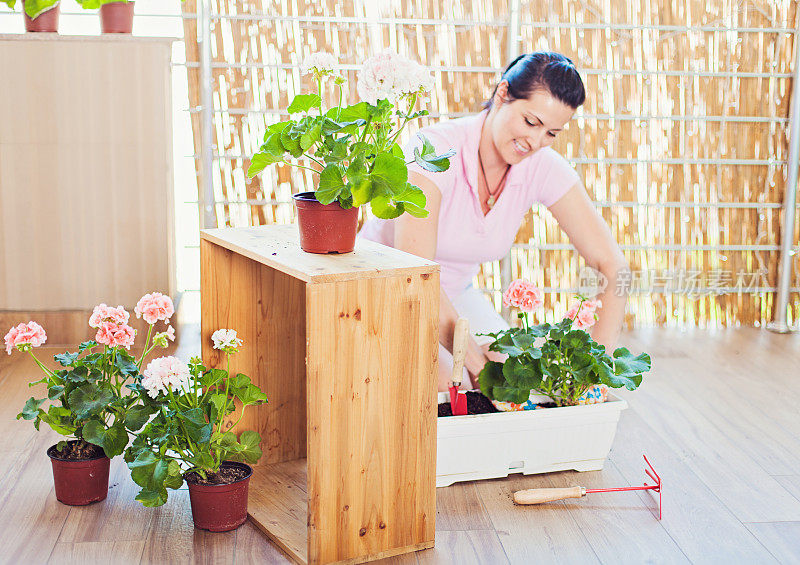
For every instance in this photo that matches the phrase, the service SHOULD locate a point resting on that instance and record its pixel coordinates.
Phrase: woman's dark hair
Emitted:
(551, 72)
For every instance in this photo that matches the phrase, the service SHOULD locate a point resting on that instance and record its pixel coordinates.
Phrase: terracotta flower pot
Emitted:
(79, 482)
(116, 17)
(220, 508)
(325, 228)
(46, 22)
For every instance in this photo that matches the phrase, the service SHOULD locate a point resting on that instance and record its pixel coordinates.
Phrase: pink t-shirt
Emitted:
(466, 237)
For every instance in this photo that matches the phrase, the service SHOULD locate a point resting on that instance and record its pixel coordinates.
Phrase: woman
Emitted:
(503, 166)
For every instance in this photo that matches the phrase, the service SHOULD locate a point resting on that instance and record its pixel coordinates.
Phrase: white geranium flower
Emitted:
(390, 76)
(165, 374)
(226, 340)
(319, 64)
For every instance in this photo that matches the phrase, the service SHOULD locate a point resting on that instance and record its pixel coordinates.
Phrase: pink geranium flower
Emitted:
(154, 307)
(112, 335)
(30, 334)
(523, 295)
(103, 313)
(586, 317)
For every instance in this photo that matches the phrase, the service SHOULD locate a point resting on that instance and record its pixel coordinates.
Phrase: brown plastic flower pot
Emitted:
(46, 22)
(116, 17)
(79, 482)
(220, 508)
(325, 228)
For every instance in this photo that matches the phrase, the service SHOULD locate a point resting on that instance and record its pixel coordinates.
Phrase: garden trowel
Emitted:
(458, 399)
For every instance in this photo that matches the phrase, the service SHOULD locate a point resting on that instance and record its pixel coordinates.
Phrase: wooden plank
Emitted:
(267, 309)
(693, 515)
(466, 547)
(459, 507)
(533, 534)
(715, 455)
(252, 546)
(278, 247)
(781, 538)
(791, 483)
(111, 552)
(278, 506)
(371, 412)
(606, 518)
(32, 517)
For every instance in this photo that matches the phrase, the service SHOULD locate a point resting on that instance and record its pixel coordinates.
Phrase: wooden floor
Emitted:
(718, 416)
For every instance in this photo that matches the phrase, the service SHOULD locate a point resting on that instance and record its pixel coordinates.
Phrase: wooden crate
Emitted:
(345, 346)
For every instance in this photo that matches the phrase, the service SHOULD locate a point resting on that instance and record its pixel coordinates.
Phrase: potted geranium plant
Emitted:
(560, 361)
(353, 148)
(89, 402)
(550, 409)
(40, 15)
(116, 16)
(188, 438)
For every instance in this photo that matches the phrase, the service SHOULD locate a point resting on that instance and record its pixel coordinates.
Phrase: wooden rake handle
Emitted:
(540, 495)
(460, 338)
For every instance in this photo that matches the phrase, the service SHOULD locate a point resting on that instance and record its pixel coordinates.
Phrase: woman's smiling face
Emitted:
(521, 127)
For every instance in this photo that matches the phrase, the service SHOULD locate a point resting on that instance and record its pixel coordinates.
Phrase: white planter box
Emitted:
(488, 446)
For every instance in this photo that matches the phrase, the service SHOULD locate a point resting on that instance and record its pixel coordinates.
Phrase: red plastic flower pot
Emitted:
(46, 22)
(79, 482)
(220, 508)
(116, 17)
(325, 228)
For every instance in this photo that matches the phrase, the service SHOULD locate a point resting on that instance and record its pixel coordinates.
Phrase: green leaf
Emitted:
(389, 174)
(490, 376)
(60, 419)
(137, 417)
(252, 395)
(250, 446)
(413, 200)
(77, 375)
(511, 394)
(126, 366)
(174, 478)
(31, 409)
(89, 399)
(303, 103)
(66, 359)
(291, 142)
(385, 208)
(218, 401)
(197, 428)
(152, 498)
(112, 439)
(86, 345)
(330, 184)
(310, 137)
(427, 158)
(632, 364)
(35, 8)
(358, 111)
(55, 391)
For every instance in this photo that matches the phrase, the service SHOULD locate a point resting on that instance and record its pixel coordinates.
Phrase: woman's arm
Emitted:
(588, 232)
(419, 236)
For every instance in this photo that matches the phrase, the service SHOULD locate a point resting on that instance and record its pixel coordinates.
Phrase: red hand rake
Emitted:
(458, 398)
(540, 495)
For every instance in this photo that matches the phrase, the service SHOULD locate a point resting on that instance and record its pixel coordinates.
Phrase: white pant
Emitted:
(473, 305)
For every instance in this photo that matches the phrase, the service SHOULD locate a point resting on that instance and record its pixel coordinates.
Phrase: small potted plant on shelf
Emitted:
(190, 437)
(116, 16)
(89, 402)
(549, 406)
(353, 149)
(40, 15)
